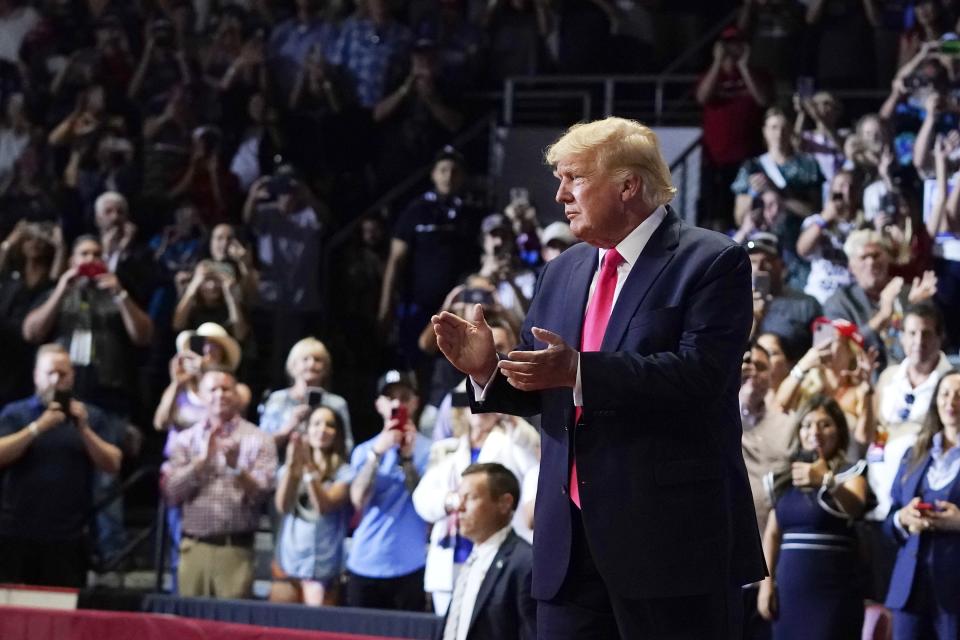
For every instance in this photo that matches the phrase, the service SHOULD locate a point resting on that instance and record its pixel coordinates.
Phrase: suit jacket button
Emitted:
(563, 490)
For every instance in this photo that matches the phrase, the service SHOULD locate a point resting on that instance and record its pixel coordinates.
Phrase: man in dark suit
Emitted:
(491, 599)
(631, 352)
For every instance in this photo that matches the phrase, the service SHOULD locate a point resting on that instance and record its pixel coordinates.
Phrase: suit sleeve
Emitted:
(897, 500)
(501, 397)
(716, 319)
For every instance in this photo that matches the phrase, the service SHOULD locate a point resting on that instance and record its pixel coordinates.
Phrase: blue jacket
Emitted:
(945, 546)
(667, 508)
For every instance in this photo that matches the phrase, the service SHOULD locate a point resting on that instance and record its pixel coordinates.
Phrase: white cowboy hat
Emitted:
(216, 333)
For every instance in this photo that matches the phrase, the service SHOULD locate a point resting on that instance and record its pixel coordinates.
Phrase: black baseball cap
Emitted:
(763, 242)
(396, 377)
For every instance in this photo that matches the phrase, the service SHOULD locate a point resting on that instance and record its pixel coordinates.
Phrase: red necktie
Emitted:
(594, 326)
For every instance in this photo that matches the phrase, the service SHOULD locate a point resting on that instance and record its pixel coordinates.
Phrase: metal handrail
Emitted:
(682, 158)
(608, 83)
(695, 48)
(116, 492)
(343, 236)
(120, 489)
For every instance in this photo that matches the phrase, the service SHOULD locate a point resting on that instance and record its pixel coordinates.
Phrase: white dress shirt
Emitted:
(630, 249)
(484, 554)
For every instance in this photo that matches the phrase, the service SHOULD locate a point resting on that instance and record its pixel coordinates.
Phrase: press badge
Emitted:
(81, 347)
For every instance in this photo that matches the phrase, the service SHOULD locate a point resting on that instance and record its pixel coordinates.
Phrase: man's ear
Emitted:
(631, 187)
(505, 504)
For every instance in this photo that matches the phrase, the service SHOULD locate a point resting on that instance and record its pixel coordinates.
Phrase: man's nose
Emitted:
(563, 195)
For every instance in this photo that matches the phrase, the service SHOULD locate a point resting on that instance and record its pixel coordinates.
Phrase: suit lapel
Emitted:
(493, 574)
(578, 288)
(913, 480)
(655, 256)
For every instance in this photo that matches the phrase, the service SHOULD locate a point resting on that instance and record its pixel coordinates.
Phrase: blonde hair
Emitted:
(860, 238)
(617, 148)
(305, 346)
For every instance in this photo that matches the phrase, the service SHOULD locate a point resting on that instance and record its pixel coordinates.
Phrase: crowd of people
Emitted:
(848, 392)
(169, 173)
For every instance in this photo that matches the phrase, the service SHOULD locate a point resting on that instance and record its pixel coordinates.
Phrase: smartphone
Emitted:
(314, 398)
(92, 269)
(63, 399)
(476, 296)
(805, 87)
(400, 415)
(520, 194)
(761, 283)
(926, 507)
(197, 344)
(823, 335)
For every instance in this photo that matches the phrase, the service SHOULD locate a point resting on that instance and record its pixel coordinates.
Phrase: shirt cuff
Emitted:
(480, 393)
(578, 388)
(904, 534)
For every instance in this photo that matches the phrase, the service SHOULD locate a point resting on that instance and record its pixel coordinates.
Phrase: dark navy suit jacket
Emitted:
(504, 609)
(667, 508)
(946, 546)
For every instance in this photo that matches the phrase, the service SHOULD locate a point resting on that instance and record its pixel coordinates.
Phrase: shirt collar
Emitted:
(493, 543)
(632, 246)
(228, 428)
(901, 377)
(936, 448)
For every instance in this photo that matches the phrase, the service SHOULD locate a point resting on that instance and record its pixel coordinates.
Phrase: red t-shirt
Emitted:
(732, 120)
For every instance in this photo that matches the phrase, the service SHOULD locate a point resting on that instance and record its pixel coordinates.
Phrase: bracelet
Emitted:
(33, 429)
(829, 481)
(797, 373)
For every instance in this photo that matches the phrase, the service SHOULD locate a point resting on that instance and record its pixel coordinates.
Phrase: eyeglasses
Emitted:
(905, 412)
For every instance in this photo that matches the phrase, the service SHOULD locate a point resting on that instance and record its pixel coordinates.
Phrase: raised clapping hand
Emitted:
(468, 345)
(555, 366)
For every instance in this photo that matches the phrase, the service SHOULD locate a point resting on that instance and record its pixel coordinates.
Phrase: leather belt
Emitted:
(244, 539)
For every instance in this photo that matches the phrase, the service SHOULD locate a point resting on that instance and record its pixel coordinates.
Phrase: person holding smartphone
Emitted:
(924, 521)
(309, 367)
(839, 366)
(313, 493)
(50, 445)
(810, 546)
(385, 567)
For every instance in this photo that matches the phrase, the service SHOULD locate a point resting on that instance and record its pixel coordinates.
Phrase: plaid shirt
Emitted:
(214, 502)
(368, 53)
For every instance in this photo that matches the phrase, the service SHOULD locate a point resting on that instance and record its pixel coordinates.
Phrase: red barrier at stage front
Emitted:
(43, 624)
